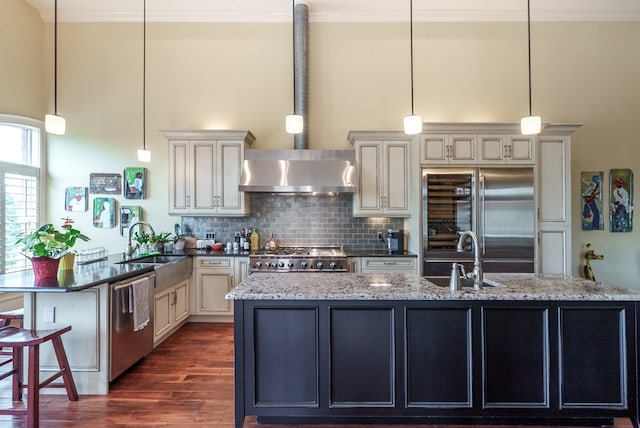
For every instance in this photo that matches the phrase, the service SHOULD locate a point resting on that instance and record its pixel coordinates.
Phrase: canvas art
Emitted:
(591, 192)
(75, 199)
(107, 184)
(621, 200)
(129, 214)
(104, 213)
(134, 182)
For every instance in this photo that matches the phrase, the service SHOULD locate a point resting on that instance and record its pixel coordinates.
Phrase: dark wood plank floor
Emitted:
(186, 382)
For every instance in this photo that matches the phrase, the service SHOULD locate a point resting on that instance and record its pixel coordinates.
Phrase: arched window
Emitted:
(21, 163)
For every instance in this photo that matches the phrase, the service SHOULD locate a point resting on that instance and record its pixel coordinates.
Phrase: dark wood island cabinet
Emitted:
(412, 352)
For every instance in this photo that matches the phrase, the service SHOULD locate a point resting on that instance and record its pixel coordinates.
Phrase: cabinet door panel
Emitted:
(554, 247)
(516, 357)
(554, 176)
(521, 150)
(285, 357)
(439, 364)
(229, 164)
(179, 190)
(203, 171)
(162, 320)
(369, 158)
(362, 357)
(211, 287)
(593, 360)
(463, 148)
(491, 148)
(397, 171)
(434, 149)
(181, 301)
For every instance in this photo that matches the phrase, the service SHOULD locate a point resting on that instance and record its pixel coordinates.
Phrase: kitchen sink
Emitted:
(169, 269)
(443, 281)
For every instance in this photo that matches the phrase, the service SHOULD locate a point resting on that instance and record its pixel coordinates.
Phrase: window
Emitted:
(20, 173)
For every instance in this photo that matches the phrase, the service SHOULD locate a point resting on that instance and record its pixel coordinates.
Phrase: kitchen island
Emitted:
(397, 348)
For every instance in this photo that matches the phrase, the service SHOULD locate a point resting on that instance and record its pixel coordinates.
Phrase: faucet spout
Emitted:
(141, 223)
(478, 276)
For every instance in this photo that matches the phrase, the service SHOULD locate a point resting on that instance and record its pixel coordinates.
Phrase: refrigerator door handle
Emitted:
(481, 214)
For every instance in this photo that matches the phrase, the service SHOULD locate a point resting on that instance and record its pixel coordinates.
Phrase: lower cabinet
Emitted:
(170, 310)
(382, 264)
(435, 362)
(213, 280)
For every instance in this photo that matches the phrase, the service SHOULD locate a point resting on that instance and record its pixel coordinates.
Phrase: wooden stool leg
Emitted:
(69, 384)
(33, 387)
(18, 377)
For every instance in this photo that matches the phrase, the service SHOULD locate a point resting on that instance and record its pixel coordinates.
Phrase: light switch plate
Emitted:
(49, 314)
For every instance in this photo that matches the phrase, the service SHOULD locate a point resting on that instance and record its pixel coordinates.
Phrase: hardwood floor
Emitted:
(185, 382)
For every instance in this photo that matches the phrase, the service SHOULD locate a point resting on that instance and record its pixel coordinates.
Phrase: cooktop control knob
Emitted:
(290, 264)
(267, 264)
(303, 265)
(258, 265)
(319, 265)
(332, 265)
(280, 264)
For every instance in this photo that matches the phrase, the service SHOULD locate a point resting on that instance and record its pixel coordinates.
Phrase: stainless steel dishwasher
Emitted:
(127, 345)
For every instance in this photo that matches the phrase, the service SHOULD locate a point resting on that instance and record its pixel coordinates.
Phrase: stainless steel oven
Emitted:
(128, 345)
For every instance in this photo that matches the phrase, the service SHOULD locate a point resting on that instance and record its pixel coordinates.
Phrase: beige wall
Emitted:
(238, 76)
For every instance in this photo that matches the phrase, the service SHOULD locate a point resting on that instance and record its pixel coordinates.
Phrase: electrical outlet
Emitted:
(49, 314)
(380, 236)
(209, 235)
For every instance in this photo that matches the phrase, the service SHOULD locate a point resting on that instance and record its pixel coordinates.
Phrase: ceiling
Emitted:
(338, 10)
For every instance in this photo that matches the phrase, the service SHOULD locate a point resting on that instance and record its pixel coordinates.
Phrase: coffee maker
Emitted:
(395, 241)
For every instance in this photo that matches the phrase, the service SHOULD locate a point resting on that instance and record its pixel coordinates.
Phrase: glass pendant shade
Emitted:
(294, 124)
(531, 125)
(413, 124)
(55, 124)
(144, 155)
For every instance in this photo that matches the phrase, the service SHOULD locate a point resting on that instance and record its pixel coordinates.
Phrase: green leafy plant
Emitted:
(48, 241)
(141, 238)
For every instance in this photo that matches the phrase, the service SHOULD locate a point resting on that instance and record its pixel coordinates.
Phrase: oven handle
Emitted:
(129, 282)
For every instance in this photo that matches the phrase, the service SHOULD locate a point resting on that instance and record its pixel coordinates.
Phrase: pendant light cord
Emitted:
(411, 47)
(293, 47)
(529, 48)
(144, 74)
(55, 57)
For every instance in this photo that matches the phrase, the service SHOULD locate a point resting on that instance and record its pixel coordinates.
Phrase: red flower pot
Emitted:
(45, 267)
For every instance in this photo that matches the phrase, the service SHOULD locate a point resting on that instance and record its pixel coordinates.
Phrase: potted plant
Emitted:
(47, 245)
(160, 240)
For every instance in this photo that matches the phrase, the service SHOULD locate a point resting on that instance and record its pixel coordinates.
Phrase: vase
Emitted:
(66, 261)
(45, 267)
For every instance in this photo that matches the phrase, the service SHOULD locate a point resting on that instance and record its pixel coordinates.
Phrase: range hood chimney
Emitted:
(299, 170)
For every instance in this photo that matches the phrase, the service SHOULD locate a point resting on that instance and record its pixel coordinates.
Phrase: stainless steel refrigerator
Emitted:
(496, 203)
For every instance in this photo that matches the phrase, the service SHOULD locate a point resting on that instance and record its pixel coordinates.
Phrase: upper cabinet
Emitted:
(204, 172)
(470, 149)
(443, 149)
(506, 149)
(384, 169)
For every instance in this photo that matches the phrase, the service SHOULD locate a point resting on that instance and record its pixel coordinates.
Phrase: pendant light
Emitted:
(530, 125)
(53, 123)
(413, 123)
(294, 123)
(144, 155)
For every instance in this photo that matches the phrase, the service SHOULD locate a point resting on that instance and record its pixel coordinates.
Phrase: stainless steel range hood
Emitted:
(299, 171)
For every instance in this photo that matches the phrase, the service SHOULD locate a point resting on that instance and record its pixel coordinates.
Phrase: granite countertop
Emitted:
(377, 253)
(404, 286)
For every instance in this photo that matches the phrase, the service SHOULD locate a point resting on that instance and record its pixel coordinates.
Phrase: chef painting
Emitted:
(592, 216)
(620, 200)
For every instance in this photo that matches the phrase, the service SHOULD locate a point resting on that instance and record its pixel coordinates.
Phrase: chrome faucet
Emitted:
(129, 247)
(477, 275)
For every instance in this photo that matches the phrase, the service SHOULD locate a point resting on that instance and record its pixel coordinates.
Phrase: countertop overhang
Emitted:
(404, 286)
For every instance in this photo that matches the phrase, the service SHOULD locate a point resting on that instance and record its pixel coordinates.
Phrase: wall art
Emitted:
(75, 199)
(591, 192)
(621, 200)
(129, 214)
(104, 213)
(106, 184)
(135, 180)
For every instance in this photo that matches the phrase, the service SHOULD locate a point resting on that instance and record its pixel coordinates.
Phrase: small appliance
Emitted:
(395, 241)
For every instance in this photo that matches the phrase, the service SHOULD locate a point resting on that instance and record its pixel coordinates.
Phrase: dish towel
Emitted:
(139, 303)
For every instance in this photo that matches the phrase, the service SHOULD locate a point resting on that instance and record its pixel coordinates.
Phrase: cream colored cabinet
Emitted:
(353, 264)
(389, 264)
(170, 310)
(214, 278)
(506, 149)
(554, 200)
(241, 269)
(204, 172)
(383, 178)
(444, 149)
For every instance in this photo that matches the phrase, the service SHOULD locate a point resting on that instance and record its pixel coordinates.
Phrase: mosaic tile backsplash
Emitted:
(297, 220)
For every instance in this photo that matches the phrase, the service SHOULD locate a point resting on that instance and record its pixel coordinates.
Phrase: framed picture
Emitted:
(104, 213)
(129, 214)
(106, 184)
(621, 200)
(135, 180)
(591, 193)
(75, 199)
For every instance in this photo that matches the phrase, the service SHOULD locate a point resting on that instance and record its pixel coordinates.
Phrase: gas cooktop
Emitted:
(299, 259)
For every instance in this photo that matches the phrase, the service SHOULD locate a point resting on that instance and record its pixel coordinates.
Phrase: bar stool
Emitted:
(6, 318)
(19, 338)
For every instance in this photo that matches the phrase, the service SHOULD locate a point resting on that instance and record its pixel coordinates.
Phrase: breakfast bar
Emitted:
(398, 348)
